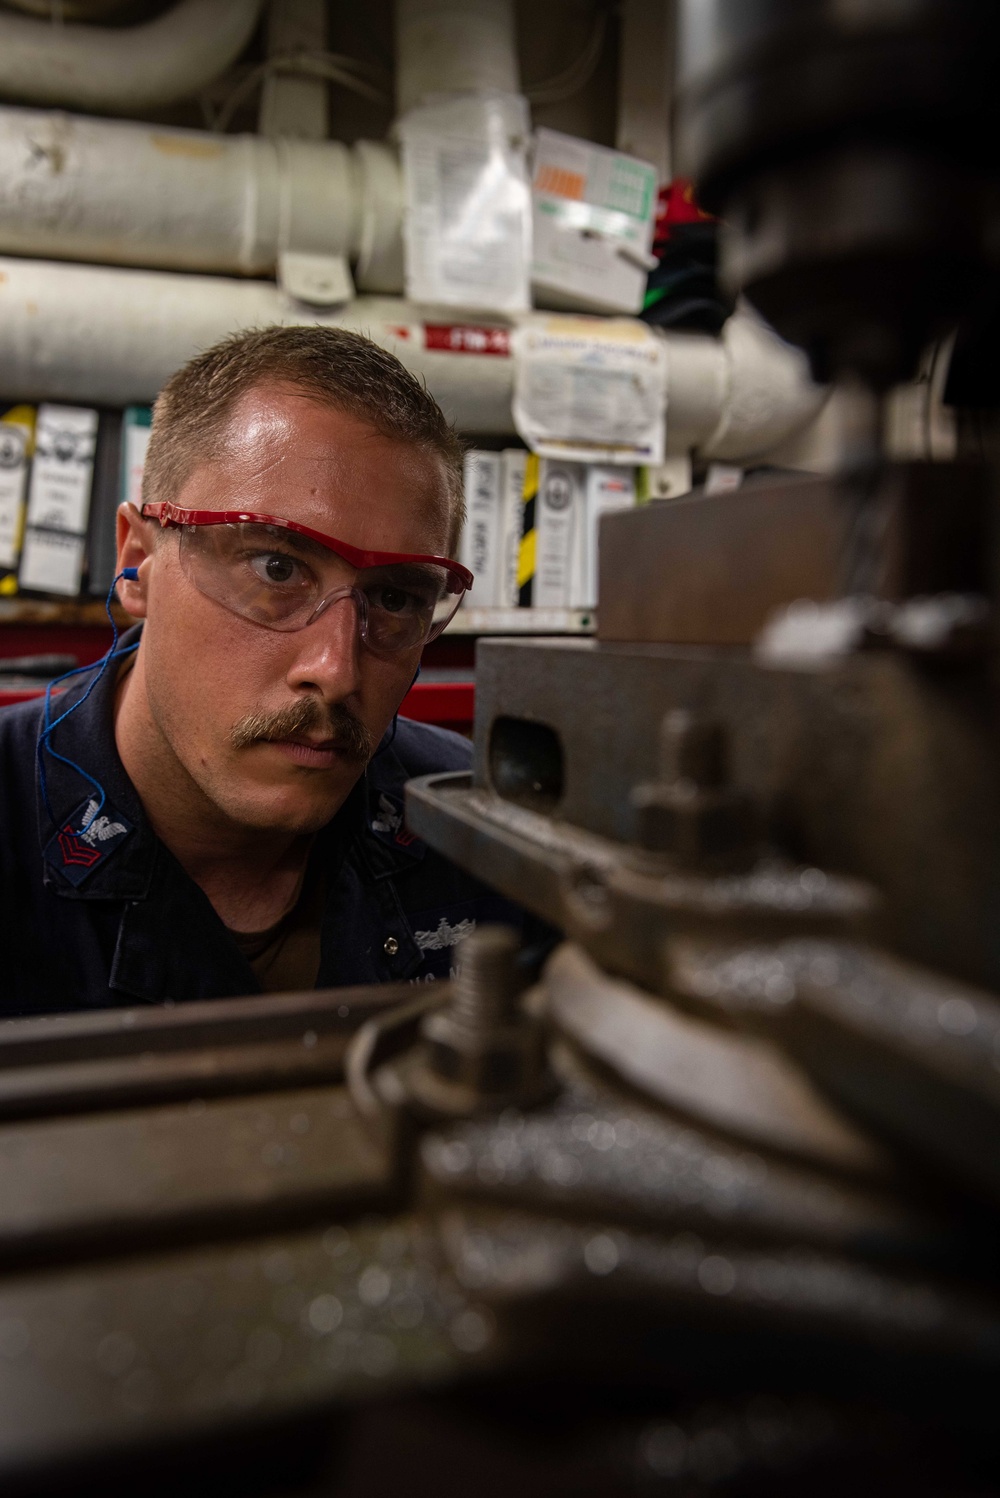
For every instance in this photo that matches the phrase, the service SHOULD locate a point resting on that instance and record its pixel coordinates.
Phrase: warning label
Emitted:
(463, 338)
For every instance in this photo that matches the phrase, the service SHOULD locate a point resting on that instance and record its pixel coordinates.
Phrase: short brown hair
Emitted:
(339, 368)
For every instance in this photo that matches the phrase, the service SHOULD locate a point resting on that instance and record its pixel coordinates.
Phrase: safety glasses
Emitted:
(283, 575)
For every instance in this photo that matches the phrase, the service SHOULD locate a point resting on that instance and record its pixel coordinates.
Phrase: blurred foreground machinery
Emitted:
(712, 1206)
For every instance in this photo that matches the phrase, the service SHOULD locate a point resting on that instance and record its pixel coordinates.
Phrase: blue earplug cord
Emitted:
(49, 726)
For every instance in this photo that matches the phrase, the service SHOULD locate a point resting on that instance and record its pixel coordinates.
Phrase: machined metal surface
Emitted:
(111, 1356)
(69, 1063)
(734, 1084)
(604, 1155)
(909, 1051)
(620, 905)
(699, 572)
(142, 1175)
(858, 766)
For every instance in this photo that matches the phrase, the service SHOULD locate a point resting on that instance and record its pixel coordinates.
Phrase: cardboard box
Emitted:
(593, 212)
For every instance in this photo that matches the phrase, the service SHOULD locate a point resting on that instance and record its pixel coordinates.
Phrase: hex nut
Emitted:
(502, 1061)
(700, 828)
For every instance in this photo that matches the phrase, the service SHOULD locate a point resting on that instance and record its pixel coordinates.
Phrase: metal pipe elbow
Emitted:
(118, 69)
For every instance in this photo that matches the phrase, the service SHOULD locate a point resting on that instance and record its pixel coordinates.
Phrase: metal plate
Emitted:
(619, 904)
(113, 1180)
(909, 1051)
(735, 1085)
(507, 1258)
(98, 1360)
(605, 1155)
(875, 767)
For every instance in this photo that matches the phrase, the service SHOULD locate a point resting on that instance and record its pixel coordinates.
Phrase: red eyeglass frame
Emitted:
(168, 513)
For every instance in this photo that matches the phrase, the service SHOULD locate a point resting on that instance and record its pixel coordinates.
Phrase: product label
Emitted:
(52, 562)
(560, 517)
(59, 493)
(462, 338)
(593, 212)
(467, 224)
(590, 389)
(608, 487)
(135, 440)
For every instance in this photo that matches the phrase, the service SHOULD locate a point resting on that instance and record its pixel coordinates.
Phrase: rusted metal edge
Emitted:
(49, 1040)
(619, 903)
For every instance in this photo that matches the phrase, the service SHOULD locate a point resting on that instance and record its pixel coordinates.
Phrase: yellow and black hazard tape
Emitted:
(16, 449)
(526, 551)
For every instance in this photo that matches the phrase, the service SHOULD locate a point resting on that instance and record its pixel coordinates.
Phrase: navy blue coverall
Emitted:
(110, 918)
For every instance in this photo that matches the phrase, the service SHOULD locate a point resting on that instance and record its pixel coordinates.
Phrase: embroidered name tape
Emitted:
(444, 935)
(84, 842)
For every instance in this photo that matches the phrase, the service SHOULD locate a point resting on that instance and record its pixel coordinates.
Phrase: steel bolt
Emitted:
(485, 988)
(482, 1043)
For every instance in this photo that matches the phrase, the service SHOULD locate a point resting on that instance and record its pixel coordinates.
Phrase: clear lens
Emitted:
(281, 580)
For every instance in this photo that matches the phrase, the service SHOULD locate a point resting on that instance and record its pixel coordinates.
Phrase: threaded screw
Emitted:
(485, 988)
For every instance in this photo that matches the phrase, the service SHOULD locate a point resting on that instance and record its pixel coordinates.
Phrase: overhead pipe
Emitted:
(121, 69)
(121, 193)
(97, 335)
(454, 47)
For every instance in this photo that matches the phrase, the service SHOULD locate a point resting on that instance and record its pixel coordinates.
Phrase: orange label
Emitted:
(560, 182)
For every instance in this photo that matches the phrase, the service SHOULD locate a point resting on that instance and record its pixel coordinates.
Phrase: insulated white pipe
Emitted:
(101, 336)
(454, 47)
(112, 337)
(768, 391)
(119, 193)
(124, 68)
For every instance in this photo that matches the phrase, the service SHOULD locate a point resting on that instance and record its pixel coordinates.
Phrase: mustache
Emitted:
(334, 723)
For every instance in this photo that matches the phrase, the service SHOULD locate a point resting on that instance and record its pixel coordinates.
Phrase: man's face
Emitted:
(275, 727)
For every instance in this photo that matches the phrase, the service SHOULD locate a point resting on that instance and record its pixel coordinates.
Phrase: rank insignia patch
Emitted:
(86, 840)
(388, 824)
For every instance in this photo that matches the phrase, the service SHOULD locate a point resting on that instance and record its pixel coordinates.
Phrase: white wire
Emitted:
(332, 67)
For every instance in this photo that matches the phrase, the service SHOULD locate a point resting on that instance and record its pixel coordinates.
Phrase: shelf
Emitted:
(523, 622)
(72, 612)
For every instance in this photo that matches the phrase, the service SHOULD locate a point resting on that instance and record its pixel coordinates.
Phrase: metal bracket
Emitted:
(319, 280)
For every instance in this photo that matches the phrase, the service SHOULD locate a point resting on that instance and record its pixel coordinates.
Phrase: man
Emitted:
(221, 811)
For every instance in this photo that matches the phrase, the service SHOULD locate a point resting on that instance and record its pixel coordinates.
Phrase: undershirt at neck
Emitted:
(286, 956)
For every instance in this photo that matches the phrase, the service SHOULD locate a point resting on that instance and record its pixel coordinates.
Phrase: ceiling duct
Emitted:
(124, 69)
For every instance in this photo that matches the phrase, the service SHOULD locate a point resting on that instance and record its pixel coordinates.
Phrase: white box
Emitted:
(560, 515)
(52, 562)
(481, 547)
(608, 487)
(63, 468)
(136, 432)
(593, 213)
